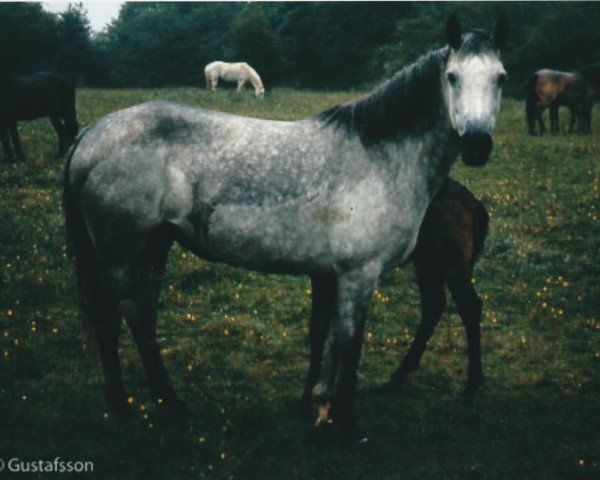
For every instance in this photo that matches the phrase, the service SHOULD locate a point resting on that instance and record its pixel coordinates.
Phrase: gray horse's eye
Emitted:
(452, 78)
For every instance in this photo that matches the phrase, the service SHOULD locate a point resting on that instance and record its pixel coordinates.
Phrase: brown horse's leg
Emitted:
(469, 308)
(433, 304)
(585, 114)
(323, 301)
(538, 115)
(574, 112)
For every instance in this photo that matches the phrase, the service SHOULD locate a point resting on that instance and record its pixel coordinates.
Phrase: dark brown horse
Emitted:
(29, 97)
(591, 74)
(552, 89)
(450, 240)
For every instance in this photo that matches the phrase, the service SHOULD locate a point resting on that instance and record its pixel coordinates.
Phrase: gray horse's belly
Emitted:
(334, 231)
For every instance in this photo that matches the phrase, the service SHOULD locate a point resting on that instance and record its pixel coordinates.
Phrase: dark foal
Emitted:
(450, 240)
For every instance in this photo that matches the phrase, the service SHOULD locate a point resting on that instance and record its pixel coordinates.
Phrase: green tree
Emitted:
(254, 40)
(28, 37)
(74, 54)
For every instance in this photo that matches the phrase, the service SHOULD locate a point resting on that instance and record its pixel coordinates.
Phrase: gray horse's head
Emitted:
(472, 86)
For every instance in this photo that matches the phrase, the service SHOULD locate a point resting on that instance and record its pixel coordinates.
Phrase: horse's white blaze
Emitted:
(474, 97)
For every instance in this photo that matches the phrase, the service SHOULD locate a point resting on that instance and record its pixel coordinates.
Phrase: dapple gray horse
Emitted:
(339, 197)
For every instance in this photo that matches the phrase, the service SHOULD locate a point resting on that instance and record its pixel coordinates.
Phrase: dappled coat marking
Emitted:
(339, 197)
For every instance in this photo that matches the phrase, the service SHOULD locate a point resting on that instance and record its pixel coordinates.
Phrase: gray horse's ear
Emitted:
(453, 32)
(500, 35)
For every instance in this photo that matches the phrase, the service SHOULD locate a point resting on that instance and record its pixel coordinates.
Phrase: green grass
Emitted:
(236, 348)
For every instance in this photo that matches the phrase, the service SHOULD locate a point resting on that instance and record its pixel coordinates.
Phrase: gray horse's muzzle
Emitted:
(476, 148)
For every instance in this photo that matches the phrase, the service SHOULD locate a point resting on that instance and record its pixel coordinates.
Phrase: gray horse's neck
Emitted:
(408, 104)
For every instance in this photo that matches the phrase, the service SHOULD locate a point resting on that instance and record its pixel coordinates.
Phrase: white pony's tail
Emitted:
(207, 78)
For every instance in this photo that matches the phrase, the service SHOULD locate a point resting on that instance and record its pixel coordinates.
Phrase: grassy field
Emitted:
(236, 348)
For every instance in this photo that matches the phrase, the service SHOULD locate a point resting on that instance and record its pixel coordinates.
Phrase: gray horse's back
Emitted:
(209, 174)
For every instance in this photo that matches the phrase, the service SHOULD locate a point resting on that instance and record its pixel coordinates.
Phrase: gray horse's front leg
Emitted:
(335, 393)
(324, 293)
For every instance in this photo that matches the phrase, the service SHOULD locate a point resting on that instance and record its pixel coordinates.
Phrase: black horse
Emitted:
(450, 240)
(38, 95)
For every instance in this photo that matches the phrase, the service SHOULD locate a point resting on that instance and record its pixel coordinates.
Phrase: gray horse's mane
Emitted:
(408, 102)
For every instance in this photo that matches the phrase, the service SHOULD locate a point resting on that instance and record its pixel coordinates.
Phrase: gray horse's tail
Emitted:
(531, 101)
(79, 241)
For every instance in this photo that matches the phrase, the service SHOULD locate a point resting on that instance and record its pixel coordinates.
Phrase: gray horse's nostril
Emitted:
(476, 148)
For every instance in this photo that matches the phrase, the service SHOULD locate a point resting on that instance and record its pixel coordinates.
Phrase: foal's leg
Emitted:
(240, 85)
(323, 300)
(433, 304)
(469, 308)
(14, 134)
(140, 314)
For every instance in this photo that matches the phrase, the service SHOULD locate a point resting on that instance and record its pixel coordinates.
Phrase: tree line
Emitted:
(324, 45)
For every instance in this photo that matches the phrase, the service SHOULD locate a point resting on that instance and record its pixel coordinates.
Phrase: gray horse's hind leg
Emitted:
(101, 310)
(323, 301)
(139, 310)
(107, 331)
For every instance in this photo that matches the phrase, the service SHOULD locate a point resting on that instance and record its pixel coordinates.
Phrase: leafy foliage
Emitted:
(309, 44)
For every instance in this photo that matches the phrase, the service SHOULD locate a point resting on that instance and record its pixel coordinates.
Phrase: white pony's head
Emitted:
(472, 86)
(259, 92)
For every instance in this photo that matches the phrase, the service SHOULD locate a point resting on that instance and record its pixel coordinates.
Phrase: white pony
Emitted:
(239, 72)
